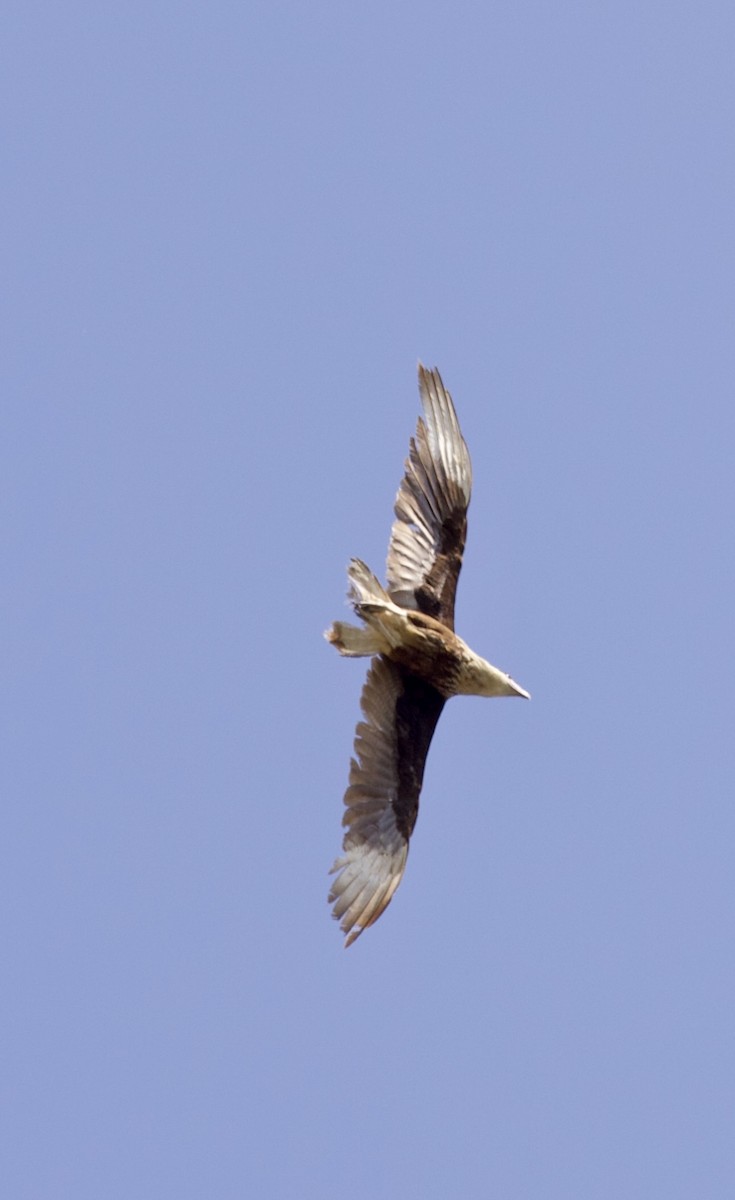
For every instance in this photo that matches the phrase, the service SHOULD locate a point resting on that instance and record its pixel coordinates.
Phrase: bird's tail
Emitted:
(354, 641)
(370, 601)
(365, 589)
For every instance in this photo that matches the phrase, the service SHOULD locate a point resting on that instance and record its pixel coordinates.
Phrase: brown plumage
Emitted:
(418, 663)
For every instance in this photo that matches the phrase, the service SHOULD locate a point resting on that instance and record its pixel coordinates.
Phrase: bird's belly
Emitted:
(429, 654)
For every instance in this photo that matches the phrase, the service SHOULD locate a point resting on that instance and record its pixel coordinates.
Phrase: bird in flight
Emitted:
(419, 662)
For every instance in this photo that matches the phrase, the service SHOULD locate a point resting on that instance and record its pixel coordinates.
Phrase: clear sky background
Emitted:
(230, 232)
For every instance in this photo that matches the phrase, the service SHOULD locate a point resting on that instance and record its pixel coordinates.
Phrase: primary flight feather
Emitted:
(418, 661)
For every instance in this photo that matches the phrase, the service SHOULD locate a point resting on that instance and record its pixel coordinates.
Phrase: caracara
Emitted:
(418, 661)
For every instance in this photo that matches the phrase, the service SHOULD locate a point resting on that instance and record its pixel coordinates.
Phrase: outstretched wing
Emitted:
(428, 535)
(382, 800)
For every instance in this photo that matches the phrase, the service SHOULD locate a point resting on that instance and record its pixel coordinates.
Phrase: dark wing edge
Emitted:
(428, 535)
(381, 801)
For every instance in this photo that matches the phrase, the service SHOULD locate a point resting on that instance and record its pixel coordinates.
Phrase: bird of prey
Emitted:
(418, 661)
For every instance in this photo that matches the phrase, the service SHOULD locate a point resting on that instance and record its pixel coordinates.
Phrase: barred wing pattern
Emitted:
(428, 535)
(391, 744)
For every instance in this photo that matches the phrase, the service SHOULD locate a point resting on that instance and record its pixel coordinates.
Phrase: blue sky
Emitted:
(230, 233)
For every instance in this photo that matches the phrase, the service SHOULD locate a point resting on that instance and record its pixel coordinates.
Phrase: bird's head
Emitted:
(483, 679)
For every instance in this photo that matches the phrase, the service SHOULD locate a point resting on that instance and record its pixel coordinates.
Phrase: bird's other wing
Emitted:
(382, 799)
(428, 535)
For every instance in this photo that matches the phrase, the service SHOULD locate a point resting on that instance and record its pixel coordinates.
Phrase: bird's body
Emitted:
(415, 641)
(419, 662)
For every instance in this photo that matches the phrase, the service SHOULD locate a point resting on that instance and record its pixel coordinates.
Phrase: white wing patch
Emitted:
(375, 851)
